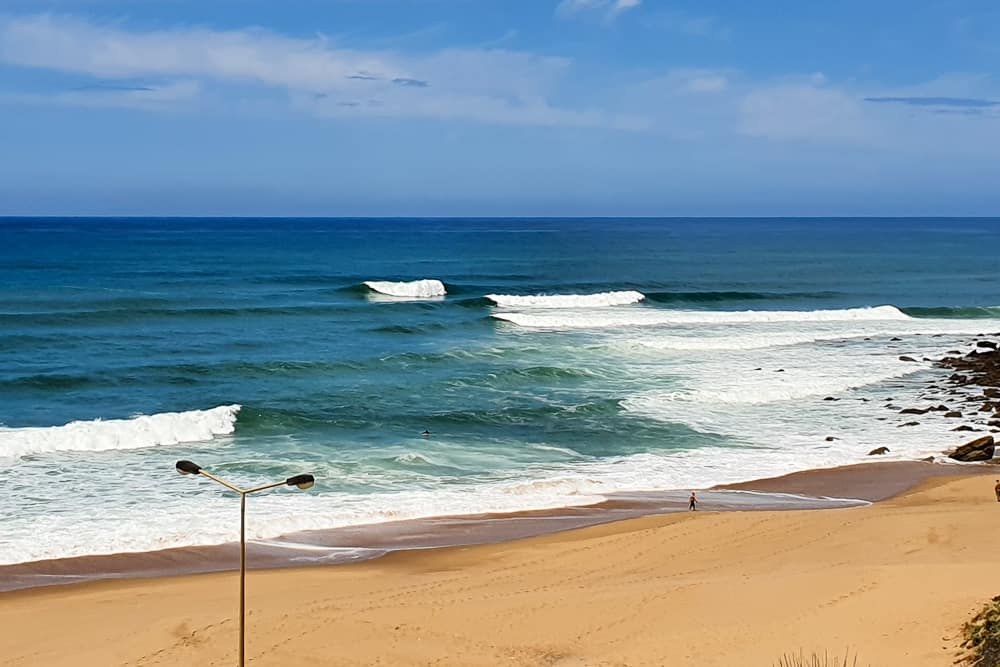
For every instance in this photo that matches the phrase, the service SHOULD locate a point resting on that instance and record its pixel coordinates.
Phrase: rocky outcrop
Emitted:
(980, 449)
(878, 451)
(979, 367)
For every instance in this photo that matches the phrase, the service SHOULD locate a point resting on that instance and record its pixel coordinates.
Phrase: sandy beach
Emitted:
(893, 581)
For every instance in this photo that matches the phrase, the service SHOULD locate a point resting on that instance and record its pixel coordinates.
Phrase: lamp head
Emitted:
(301, 481)
(188, 468)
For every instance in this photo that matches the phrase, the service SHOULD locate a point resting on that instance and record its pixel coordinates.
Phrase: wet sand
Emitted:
(814, 489)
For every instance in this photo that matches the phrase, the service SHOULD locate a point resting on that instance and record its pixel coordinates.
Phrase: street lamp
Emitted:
(301, 481)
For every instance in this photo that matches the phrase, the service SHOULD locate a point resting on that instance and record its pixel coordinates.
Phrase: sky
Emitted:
(499, 107)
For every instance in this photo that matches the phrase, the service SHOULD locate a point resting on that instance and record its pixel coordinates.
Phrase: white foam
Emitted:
(707, 339)
(416, 289)
(167, 428)
(603, 299)
(598, 319)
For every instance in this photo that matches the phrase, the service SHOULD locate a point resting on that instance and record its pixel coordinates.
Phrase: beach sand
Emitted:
(893, 581)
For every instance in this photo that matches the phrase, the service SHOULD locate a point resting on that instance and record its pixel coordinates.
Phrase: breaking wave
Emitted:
(568, 300)
(650, 317)
(167, 428)
(416, 289)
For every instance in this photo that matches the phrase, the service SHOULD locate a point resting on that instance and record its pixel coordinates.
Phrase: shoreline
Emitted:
(824, 488)
(893, 581)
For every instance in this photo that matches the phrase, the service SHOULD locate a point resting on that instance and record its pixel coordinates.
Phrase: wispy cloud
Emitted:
(171, 96)
(688, 24)
(485, 85)
(415, 83)
(952, 102)
(610, 9)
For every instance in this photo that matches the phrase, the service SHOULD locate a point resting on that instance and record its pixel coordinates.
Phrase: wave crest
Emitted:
(600, 300)
(415, 289)
(167, 428)
(605, 319)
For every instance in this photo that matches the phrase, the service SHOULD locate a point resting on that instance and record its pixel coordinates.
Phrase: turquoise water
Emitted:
(529, 404)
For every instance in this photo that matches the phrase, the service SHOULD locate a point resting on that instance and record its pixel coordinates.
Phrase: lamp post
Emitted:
(301, 481)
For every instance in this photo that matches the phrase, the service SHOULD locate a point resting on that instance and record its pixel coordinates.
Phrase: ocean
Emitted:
(552, 361)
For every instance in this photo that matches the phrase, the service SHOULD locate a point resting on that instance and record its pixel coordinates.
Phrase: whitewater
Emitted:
(542, 364)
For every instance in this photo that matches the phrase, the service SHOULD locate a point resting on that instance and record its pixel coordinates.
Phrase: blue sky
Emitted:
(499, 107)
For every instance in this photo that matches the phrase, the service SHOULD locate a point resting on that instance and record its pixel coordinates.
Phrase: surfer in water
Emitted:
(692, 502)
(426, 433)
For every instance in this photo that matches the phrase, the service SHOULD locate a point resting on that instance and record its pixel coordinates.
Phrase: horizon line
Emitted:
(6, 217)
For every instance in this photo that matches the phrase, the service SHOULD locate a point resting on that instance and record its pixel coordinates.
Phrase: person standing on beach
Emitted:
(693, 500)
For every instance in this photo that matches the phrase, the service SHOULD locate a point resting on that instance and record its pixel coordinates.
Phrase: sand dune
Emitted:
(892, 581)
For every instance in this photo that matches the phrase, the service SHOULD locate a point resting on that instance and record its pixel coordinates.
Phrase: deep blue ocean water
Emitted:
(535, 404)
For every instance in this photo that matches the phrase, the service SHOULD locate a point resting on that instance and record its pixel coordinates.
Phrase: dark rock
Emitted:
(830, 438)
(831, 398)
(928, 459)
(954, 352)
(980, 449)
(757, 369)
(878, 451)
(991, 392)
(894, 338)
(953, 413)
(987, 344)
(940, 408)
(906, 358)
(914, 411)
(780, 370)
(963, 427)
(909, 424)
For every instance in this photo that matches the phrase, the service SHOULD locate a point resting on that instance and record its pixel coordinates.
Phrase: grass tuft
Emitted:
(982, 636)
(817, 660)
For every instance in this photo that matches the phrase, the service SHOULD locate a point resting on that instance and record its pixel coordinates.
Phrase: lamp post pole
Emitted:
(243, 575)
(300, 481)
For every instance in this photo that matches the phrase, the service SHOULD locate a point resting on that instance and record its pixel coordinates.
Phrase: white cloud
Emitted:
(802, 111)
(487, 85)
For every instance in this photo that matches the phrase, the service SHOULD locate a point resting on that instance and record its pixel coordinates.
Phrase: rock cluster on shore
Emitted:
(980, 368)
(975, 381)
